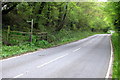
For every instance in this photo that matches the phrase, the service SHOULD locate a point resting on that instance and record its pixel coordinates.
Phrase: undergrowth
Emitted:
(116, 63)
(60, 38)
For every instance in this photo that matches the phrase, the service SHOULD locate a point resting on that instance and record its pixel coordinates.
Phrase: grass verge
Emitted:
(62, 37)
(116, 63)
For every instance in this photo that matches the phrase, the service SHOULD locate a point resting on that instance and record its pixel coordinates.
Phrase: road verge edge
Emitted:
(109, 75)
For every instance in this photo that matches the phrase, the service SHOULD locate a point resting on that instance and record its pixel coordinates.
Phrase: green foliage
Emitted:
(8, 51)
(42, 43)
(116, 64)
(63, 21)
(51, 38)
(52, 16)
(59, 39)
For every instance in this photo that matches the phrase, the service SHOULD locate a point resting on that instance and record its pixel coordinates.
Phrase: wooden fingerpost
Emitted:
(31, 31)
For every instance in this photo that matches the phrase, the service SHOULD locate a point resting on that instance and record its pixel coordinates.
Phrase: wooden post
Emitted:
(46, 36)
(8, 33)
(31, 32)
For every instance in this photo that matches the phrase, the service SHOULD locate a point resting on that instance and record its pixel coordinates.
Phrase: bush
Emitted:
(41, 43)
(62, 37)
(51, 38)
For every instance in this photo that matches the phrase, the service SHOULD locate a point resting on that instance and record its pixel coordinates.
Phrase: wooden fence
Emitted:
(14, 37)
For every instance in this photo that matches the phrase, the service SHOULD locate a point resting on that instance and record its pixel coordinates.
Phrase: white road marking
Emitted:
(91, 41)
(14, 57)
(40, 50)
(43, 64)
(52, 61)
(110, 63)
(77, 49)
(18, 76)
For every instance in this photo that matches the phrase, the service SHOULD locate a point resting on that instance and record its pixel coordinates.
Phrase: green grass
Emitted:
(116, 63)
(60, 38)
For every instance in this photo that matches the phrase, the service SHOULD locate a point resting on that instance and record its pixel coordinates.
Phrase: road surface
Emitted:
(86, 58)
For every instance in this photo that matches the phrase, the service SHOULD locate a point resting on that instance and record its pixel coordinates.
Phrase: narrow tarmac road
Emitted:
(86, 58)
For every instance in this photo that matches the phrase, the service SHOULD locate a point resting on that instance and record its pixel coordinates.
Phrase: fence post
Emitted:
(8, 33)
(46, 36)
(31, 32)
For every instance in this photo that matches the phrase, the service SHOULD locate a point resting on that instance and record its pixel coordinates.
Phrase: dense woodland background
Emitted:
(57, 23)
(59, 17)
(55, 16)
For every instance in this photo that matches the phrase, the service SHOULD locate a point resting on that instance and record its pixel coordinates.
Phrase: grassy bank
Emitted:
(116, 63)
(60, 38)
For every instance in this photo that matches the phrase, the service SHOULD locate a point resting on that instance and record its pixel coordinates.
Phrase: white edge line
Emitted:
(18, 76)
(110, 63)
(76, 49)
(52, 61)
(20, 55)
(37, 51)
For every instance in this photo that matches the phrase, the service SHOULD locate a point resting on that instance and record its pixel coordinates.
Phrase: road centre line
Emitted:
(84, 45)
(77, 49)
(52, 61)
(44, 64)
(18, 76)
(39, 50)
(90, 42)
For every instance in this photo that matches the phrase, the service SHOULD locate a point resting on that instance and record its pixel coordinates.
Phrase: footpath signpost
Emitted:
(31, 30)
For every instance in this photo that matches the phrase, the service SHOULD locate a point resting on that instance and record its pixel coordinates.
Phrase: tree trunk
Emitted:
(61, 24)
